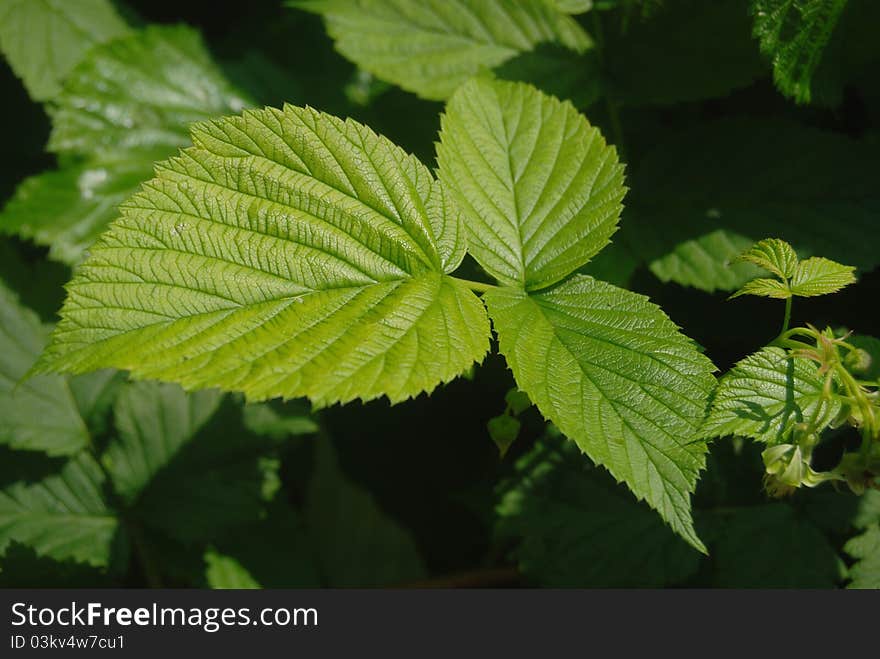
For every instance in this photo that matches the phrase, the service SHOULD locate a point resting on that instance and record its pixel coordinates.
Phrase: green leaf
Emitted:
(517, 400)
(763, 287)
(44, 39)
(431, 47)
(575, 527)
(127, 105)
(139, 93)
(63, 516)
(573, 6)
(38, 413)
(774, 255)
(540, 189)
(67, 209)
(691, 213)
(225, 572)
(763, 395)
(289, 421)
(184, 464)
(865, 549)
(357, 545)
(820, 276)
(614, 374)
(503, 430)
(771, 546)
(282, 243)
(154, 422)
(793, 34)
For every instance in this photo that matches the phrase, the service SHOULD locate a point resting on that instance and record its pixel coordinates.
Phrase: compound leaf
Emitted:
(539, 187)
(793, 34)
(39, 413)
(763, 395)
(431, 47)
(44, 39)
(63, 516)
(820, 276)
(575, 527)
(284, 242)
(613, 373)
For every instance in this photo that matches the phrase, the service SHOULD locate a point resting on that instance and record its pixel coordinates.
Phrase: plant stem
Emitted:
(787, 319)
(476, 286)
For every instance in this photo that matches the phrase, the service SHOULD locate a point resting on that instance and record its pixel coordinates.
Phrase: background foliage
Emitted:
(736, 120)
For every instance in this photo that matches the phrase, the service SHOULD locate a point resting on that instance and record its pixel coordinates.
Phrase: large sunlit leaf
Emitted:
(612, 371)
(539, 187)
(775, 178)
(126, 106)
(431, 47)
(44, 39)
(63, 516)
(764, 395)
(39, 413)
(793, 34)
(289, 253)
(574, 526)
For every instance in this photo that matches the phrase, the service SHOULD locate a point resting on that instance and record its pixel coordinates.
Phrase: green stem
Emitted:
(787, 319)
(476, 286)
